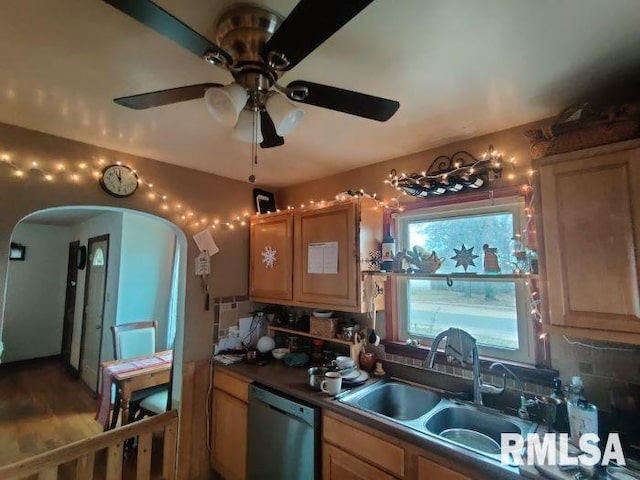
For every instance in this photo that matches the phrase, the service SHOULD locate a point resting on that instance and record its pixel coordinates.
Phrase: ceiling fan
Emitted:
(257, 46)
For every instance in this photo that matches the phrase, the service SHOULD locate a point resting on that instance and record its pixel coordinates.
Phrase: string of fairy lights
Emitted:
(77, 172)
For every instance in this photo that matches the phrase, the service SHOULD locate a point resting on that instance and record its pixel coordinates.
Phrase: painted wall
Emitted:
(34, 310)
(207, 194)
(105, 223)
(146, 265)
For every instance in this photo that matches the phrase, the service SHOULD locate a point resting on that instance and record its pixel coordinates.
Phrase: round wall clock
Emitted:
(119, 180)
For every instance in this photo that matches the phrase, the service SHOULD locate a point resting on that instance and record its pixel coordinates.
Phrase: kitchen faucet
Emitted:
(523, 410)
(461, 346)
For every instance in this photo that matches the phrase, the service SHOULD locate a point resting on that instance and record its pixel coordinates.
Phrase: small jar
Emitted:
(347, 333)
(293, 344)
(367, 361)
(317, 357)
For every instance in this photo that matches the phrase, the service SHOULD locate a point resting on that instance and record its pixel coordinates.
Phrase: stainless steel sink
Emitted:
(398, 401)
(431, 413)
(474, 428)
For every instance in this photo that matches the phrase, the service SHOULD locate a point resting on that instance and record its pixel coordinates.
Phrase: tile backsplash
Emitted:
(602, 366)
(227, 311)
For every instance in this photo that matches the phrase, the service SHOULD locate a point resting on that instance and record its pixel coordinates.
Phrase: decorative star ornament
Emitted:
(269, 256)
(464, 257)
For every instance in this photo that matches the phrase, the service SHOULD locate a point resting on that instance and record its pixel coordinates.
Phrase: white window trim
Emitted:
(514, 205)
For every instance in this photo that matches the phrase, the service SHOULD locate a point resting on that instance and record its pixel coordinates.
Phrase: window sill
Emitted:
(526, 373)
(497, 277)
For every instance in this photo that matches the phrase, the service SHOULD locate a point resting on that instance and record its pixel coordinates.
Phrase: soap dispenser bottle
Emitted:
(583, 416)
(561, 420)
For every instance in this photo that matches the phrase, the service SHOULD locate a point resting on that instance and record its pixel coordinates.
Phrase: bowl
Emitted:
(278, 353)
(322, 313)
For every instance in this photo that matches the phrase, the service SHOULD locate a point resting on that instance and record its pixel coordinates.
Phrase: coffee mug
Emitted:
(343, 362)
(332, 383)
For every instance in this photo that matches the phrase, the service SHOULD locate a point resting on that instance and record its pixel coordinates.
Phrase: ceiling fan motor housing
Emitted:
(242, 32)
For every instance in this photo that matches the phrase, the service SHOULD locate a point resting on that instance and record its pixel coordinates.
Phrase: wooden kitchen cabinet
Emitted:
(429, 470)
(377, 451)
(271, 232)
(229, 426)
(354, 451)
(590, 209)
(355, 226)
(340, 465)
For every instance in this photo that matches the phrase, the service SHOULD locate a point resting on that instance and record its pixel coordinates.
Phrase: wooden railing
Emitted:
(83, 453)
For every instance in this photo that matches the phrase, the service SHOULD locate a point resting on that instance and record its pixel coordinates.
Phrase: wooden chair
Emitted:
(158, 402)
(132, 340)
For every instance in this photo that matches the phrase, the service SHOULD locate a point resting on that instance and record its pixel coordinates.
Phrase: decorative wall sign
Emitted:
(464, 257)
(269, 256)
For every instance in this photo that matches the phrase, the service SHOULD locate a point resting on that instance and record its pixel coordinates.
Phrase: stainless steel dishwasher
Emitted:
(284, 440)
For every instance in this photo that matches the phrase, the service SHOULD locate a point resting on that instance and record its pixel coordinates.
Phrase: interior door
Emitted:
(70, 301)
(93, 315)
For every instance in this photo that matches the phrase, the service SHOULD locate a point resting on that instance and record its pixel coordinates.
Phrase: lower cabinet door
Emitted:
(229, 435)
(339, 465)
(430, 470)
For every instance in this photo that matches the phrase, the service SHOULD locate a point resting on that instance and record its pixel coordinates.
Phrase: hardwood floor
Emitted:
(42, 407)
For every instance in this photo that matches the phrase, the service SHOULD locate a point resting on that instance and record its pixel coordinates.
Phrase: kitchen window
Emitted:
(496, 311)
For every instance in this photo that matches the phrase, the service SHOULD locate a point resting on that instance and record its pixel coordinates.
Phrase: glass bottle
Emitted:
(388, 251)
(518, 255)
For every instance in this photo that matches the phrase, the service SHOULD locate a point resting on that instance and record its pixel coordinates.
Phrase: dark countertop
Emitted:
(293, 381)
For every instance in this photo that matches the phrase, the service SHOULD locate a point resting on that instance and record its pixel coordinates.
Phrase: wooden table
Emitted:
(129, 381)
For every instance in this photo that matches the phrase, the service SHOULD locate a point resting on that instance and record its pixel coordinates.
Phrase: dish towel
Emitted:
(295, 359)
(460, 346)
(107, 373)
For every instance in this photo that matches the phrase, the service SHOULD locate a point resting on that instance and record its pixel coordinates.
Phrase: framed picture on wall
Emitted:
(17, 251)
(265, 201)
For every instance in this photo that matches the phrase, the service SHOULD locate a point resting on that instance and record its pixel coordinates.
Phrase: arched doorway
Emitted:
(145, 279)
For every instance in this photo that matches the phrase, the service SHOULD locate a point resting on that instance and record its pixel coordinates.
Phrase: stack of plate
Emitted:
(353, 377)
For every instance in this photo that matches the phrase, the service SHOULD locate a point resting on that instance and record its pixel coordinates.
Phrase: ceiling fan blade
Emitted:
(158, 19)
(309, 24)
(354, 103)
(269, 135)
(165, 97)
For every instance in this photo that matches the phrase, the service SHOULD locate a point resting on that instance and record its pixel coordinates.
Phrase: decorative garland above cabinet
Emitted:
(314, 257)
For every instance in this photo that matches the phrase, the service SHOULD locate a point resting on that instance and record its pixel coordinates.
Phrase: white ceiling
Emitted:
(63, 216)
(459, 68)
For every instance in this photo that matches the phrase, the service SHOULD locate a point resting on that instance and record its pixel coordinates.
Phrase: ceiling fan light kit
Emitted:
(257, 46)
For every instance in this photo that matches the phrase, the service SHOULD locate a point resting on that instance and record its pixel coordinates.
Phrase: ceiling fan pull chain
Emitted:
(254, 146)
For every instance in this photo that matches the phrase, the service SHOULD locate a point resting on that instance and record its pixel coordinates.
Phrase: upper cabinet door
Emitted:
(319, 278)
(271, 257)
(591, 216)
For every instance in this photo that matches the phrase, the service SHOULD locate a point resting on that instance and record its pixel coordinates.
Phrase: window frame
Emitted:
(512, 204)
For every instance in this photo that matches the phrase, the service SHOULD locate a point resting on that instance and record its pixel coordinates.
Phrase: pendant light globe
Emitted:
(285, 115)
(243, 130)
(225, 103)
